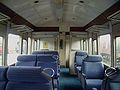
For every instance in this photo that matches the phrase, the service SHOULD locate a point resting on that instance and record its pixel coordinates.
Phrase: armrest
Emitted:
(48, 72)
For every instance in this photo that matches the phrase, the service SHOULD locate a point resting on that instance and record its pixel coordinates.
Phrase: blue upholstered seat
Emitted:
(3, 79)
(48, 61)
(92, 72)
(38, 52)
(27, 78)
(26, 60)
(112, 81)
(79, 57)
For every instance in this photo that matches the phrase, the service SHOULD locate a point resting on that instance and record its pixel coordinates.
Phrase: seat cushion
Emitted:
(93, 83)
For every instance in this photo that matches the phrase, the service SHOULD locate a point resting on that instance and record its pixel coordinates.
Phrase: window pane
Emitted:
(90, 45)
(24, 51)
(95, 47)
(1, 50)
(117, 62)
(13, 48)
(29, 45)
(105, 48)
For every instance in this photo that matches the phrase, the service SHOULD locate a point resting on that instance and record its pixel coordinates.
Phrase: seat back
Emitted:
(47, 61)
(38, 52)
(26, 60)
(54, 54)
(79, 57)
(112, 81)
(27, 78)
(92, 67)
(3, 79)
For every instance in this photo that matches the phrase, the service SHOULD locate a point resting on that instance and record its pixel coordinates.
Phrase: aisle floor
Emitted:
(67, 81)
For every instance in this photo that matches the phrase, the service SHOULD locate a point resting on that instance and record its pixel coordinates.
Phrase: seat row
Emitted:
(43, 59)
(24, 78)
(90, 71)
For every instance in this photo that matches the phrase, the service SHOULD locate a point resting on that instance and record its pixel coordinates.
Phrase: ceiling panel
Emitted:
(48, 11)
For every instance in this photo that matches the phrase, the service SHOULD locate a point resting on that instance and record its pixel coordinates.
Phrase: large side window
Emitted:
(29, 45)
(24, 49)
(95, 47)
(13, 48)
(1, 50)
(105, 48)
(117, 60)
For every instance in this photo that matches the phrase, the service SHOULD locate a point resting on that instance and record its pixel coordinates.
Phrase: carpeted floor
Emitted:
(67, 81)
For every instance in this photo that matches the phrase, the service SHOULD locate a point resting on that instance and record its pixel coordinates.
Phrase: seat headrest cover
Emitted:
(3, 70)
(81, 53)
(93, 58)
(51, 52)
(38, 52)
(27, 58)
(46, 58)
(26, 74)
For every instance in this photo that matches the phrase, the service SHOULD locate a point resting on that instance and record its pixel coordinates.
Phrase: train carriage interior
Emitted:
(59, 44)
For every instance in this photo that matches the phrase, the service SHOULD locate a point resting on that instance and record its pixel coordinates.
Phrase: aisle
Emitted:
(67, 81)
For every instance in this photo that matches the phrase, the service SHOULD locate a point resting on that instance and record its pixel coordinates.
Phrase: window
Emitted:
(95, 47)
(35, 45)
(24, 49)
(90, 45)
(81, 44)
(85, 45)
(1, 50)
(29, 45)
(105, 48)
(13, 48)
(117, 61)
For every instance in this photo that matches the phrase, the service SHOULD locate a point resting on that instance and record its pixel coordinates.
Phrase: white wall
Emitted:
(50, 42)
(75, 43)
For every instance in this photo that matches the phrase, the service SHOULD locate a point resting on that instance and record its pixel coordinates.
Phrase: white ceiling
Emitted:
(54, 12)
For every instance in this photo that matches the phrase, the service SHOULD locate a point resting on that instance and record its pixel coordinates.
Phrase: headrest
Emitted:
(38, 52)
(51, 52)
(26, 58)
(3, 70)
(26, 74)
(93, 58)
(46, 58)
(81, 53)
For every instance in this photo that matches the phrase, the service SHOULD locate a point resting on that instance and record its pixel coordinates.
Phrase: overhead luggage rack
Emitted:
(115, 16)
(21, 28)
(3, 17)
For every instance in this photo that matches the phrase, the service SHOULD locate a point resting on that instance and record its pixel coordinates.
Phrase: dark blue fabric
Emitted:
(52, 65)
(112, 82)
(3, 79)
(46, 58)
(24, 73)
(93, 70)
(79, 57)
(26, 60)
(51, 52)
(38, 52)
(27, 86)
(93, 83)
(27, 78)
(81, 53)
(94, 58)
